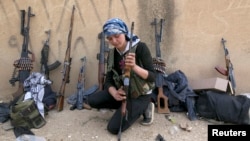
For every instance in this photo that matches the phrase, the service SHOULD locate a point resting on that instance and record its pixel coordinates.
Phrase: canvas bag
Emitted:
(26, 114)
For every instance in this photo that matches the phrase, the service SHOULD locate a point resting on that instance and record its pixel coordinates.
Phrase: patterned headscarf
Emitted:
(116, 26)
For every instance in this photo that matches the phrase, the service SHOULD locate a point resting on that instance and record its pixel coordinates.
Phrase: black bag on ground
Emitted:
(49, 98)
(223, 107)
(4, 112)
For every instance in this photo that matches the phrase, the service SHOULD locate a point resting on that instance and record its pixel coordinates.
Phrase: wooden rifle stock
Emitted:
(126, 81)
(101, 70)
(60, 103)
(66, 69)
(162, 102)
(221, 70)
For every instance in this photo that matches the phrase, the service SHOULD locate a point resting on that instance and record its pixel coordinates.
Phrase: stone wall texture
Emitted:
(191, 39)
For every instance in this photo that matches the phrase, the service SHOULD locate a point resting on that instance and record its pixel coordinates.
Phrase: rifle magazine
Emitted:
(54, 65)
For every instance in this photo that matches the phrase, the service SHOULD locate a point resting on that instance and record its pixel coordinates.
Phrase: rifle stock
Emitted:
(24, 64)
(60, 102)
(66, 68)
(101, 70)
(221, 70)
(20, 90)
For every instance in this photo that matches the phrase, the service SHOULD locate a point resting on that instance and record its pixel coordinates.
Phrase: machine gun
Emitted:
(126, 81)
(102, 60)
(229, 69)
(160, 66)
(24, 64)
(66, 67)
(45, 68)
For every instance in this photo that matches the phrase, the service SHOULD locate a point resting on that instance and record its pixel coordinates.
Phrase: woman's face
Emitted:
(118, 41)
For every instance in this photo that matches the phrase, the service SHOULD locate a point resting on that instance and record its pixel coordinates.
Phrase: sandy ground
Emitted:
(90, 125)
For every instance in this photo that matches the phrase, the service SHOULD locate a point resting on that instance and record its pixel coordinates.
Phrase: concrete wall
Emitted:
(191, 39)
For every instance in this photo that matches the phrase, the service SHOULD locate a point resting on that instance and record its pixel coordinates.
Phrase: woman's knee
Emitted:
(112, 130)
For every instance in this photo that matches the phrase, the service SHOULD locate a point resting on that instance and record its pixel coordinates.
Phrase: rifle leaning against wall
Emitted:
(126, 81)
(102, 60)
(24, 64)
(66, 67)
(80, 86)
(229, 69)
(160, 66)
(45, 68)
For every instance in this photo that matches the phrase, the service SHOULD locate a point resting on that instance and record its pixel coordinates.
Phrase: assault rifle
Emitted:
(102, 60)
(66, 67)
(24, 64)
(160, 66)
(80, 86)
(126, 81)
(229, 68)
(45, 68)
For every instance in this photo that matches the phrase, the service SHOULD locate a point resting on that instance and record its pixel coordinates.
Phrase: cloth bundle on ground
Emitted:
(223, 107)
(180, 96)
(34, 87)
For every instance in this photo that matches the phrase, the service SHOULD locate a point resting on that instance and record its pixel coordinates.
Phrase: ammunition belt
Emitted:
(159, 65)
(24, 63)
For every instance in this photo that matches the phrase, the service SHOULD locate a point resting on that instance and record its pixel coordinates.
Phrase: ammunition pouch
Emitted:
(138, 86)
(117, 79)
(26, 114)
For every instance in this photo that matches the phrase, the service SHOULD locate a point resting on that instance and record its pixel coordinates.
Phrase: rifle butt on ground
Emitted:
(19, 91)
(162, 102)
(60, 103)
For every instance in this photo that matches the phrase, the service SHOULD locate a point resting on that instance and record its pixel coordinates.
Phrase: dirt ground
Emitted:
(90, 125)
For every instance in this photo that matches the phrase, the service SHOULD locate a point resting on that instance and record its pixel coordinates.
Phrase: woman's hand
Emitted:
(120, 94)
(130, 60)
